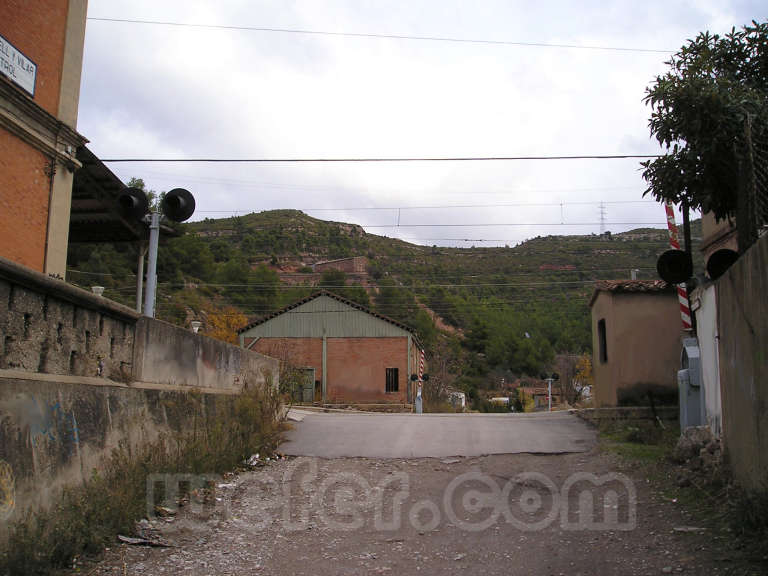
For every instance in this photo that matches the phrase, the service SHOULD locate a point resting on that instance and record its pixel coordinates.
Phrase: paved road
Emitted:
(372, 435)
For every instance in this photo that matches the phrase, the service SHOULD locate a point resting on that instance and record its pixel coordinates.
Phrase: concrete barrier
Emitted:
(627, 413)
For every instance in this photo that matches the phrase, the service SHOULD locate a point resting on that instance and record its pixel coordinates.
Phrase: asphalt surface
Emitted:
(372, 435)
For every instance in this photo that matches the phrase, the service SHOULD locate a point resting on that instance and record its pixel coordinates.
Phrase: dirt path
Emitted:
(504, 514)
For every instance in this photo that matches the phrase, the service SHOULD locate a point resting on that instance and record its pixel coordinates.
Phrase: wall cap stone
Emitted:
(28, 278)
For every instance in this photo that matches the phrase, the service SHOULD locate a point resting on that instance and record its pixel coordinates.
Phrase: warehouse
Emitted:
(358, 356)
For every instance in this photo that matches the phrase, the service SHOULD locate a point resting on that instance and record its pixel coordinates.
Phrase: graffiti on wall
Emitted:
(7, 490)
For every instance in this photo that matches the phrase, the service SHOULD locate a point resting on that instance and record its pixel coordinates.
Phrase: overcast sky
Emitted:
(152, 90)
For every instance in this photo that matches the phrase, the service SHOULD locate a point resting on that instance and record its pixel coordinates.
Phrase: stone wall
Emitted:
(627, 414)
(51, 327)
(742, 310)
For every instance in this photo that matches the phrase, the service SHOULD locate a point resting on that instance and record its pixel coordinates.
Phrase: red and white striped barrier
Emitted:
(421, 364)
(682, 291)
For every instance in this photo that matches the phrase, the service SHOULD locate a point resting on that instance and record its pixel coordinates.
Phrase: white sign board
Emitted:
(20, 69)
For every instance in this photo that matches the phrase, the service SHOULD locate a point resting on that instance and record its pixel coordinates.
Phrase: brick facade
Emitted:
(37, 132)
(38, 29)
(356, 367)
(298, 352)
(24, 192)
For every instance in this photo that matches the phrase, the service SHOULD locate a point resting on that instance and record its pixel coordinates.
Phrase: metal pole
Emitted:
(154, 238)
(140, 274)
(549, 395)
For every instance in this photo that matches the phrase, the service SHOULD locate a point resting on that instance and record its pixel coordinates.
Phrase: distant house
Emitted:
(636, 330)
(357, 356)
(354, 265)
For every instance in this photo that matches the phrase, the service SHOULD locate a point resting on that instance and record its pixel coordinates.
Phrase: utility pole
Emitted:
(154, 239)
(603, 213)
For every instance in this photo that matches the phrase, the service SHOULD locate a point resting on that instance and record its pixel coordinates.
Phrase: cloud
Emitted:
(151, 91)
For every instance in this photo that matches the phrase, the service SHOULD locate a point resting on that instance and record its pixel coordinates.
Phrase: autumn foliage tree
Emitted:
(224, 323)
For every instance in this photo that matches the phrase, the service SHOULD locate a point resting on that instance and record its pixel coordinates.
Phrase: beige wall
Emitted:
(643, 333)
(69, 100)
(716, 235)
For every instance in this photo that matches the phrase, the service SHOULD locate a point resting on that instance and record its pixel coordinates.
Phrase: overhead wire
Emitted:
(383, 159)
(445, 206)
(372, 35)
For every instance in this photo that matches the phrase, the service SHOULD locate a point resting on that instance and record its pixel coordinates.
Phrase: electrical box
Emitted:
(689, 385)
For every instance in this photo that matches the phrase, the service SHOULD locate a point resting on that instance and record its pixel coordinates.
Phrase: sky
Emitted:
(181, 90)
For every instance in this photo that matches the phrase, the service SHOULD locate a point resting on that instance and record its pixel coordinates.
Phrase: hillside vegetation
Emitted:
(493, 310)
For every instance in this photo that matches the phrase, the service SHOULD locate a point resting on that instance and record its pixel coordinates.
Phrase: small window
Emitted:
(393, 381)
(602, 342)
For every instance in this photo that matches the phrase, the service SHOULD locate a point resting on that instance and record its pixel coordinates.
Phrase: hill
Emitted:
(506, 308)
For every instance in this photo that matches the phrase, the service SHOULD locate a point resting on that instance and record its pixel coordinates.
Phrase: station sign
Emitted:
(17, 67)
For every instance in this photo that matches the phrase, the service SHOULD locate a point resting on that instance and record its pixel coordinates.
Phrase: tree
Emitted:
(336, 281)
(703, 110)
(583, 377)
(224, 324)
(443, 362)
(333, 279)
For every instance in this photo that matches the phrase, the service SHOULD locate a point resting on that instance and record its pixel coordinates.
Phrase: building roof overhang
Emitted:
(95, 211)
(631, 287)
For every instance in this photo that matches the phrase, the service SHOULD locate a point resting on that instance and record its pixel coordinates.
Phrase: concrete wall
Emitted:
(743, 345)
(643, 340)
(168, 354)
(55, 430)
(704, 304)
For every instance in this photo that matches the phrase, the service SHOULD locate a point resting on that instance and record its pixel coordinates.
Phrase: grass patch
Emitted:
(644, 441)
(88, 516)
(738, 518)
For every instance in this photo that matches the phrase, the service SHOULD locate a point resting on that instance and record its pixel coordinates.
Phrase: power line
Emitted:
(446, 206)
(489, 224)
(174, 177)
(380, 36)
(396, 286)
(393, 159)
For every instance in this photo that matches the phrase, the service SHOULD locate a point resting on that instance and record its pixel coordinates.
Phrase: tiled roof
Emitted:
(631, 286)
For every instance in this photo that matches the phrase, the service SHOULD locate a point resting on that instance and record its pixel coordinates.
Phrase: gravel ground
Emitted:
(573, 514)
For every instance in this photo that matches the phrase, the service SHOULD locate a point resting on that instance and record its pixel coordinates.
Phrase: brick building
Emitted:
(357, 356)
(354, 265)
(41, 53)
